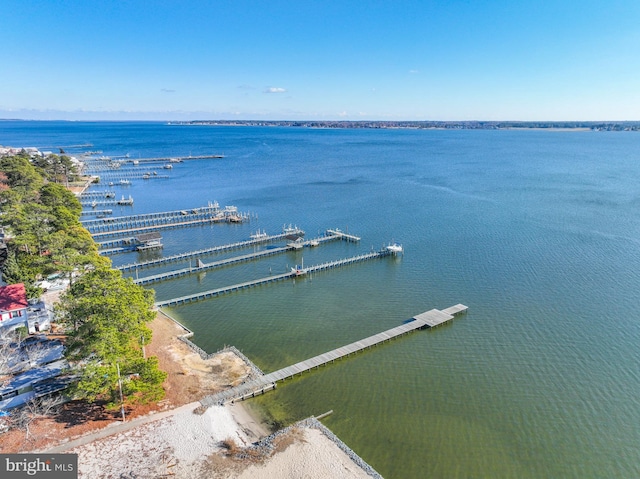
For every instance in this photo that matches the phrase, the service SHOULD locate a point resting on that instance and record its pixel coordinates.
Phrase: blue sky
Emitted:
(374, 60)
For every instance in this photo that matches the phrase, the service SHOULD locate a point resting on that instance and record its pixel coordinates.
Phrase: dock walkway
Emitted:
(147, 219)
(270, 279)
(97, 194)
(203, 252)
(108, 202)
(116, 176)
(344, 236)
(225, 262)
(268, 382)
(174, 159)
(189, 220)
(96, 212)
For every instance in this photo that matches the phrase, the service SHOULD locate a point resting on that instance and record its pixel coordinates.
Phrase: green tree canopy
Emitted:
(109, 315)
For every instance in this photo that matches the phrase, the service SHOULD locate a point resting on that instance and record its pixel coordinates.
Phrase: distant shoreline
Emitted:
(427, 125)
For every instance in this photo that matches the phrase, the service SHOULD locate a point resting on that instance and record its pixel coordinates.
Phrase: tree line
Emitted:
(105, 314)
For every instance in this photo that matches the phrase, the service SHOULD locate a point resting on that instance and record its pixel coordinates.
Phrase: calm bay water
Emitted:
(536, 231)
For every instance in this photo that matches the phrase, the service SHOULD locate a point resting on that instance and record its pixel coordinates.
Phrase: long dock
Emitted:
(98, 194)
(115, 176)
(116, 166)
(164, 159)
(227, 261)
(175, 159)
(148, 219)
(96, 212)
(429, 319)
(120, 246)
(209, 251)
(344, 236)
(110, 202)
(175, 223)
(270, 279)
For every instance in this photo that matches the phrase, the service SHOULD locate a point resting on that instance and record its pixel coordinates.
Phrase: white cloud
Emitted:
(413, 71)
(275, 89)
(167, 90)
(342, 114)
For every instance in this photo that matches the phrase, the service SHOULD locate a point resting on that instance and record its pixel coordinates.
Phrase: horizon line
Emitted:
(315, 120)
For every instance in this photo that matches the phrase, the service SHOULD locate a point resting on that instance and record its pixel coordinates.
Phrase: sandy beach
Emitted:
(215, 444)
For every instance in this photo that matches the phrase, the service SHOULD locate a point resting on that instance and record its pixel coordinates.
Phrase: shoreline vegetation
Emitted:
(597, 125)
(428, 125)
(175, 433)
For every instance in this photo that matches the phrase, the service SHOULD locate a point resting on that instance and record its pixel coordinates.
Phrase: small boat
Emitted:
(258, 235)
(168, 166)
(125, 182)
(290, 229)
(299, 270)
(395, 248)
(125, 201)
(146, 177)
(111, 183)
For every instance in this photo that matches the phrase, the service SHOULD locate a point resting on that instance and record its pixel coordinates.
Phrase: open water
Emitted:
(536, 231)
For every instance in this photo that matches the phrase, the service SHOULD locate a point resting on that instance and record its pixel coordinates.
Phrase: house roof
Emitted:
(13, 297)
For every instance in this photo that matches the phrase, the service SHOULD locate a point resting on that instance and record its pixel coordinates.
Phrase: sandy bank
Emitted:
(215, 444)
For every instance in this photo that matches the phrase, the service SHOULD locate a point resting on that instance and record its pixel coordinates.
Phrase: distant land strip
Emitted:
(424, 125)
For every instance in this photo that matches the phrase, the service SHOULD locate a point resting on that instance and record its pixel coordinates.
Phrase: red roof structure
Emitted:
(13, 297)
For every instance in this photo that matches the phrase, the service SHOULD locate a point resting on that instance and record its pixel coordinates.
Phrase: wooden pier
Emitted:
(117, 167)
(270, 279)
(343, 235)
(150, 219)
(268, 382)
(95, 203)
(200, 266)
(176, 222)
(96, 212)
(97, 194)
(116, 177)
(203, 252)
(175, 159)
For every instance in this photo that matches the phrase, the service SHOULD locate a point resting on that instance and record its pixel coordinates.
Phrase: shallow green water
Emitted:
(537, 232)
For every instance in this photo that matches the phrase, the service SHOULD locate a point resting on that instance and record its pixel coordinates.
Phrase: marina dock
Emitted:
(97, 194)
(99, 213)
(268, 382)
(175, 159)
(164, 159)
(200, 266)
(271, 279)
(96, 203)
(117, 177)
(122, 245)
(344, 236)
(177, 222)
(149, 219)
(203, 252)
